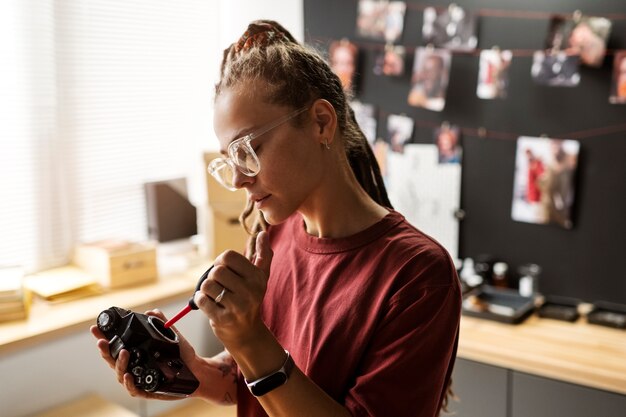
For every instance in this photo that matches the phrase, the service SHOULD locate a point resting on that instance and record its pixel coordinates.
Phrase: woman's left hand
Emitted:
(235, 314)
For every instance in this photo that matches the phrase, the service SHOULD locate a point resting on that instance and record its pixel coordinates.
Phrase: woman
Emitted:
(366, 306)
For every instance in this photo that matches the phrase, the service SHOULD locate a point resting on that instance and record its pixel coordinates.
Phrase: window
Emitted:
(96, 98)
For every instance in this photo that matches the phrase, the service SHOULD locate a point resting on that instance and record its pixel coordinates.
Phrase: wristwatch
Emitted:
(272, 381)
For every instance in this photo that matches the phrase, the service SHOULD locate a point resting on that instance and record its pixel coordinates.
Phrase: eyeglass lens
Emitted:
(244, 157)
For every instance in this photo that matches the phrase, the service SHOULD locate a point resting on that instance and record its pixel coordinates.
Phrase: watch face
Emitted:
(266, 385)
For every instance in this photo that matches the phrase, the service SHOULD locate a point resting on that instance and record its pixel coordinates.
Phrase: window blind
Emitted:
(123, 96)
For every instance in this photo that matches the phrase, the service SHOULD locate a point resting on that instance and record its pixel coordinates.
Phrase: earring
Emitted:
(326, 143)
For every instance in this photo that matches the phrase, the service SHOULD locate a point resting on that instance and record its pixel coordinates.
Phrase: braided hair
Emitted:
(297, 75)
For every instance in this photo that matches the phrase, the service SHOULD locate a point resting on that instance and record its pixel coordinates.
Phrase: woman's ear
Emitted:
(325, 120)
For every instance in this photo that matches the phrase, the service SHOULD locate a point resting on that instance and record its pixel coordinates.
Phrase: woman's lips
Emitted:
(260, 200)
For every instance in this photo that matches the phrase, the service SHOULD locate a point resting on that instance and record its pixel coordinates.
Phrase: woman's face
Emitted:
(289, 155)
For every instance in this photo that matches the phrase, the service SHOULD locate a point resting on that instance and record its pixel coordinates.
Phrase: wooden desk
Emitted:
(89, 406)
(580, 353)
(199, 408)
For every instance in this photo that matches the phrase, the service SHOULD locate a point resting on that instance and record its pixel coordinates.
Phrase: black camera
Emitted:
(154, 351)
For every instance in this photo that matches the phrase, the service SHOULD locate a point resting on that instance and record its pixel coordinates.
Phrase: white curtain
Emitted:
(96, 98)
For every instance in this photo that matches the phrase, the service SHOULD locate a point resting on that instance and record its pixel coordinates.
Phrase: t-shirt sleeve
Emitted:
(406, 367)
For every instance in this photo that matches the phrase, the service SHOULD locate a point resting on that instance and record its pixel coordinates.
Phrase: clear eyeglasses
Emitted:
(241, 155)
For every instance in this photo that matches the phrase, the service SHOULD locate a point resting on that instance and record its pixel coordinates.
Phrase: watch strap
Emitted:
(272, 381)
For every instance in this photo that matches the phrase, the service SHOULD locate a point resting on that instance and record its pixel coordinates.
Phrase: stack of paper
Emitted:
(63, 284)
(14, 298)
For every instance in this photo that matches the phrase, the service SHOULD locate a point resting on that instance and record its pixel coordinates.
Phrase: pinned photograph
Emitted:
(585, 36)
(453, 28)
(543, 190)
(343, 57)
(557, 69)
(365, 115)
(391, 61)
(394, 22)
(399, 131)
(493, 74)
(448, 141)
(618, 85)
(429, 81)
(381, 20)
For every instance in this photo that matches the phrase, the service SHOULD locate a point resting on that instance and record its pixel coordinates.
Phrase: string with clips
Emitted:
(409, 49)
(484, 133)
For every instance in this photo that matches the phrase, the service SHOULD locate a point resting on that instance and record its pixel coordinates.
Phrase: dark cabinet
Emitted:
(481, 390)
(541, 397)
(491, 391)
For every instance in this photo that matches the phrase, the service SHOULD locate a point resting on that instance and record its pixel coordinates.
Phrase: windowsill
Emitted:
(48, 320)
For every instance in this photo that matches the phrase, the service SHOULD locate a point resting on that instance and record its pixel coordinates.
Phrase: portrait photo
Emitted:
(453, 28)
(394, 20)
(429, 81)
(380, 20)
(493, 74)
(585, 36)
(448, 141)
(343, 56)
(544, 181)
(399, 131)
(365, 115)
(556, 69)
(391, 61)
(618, 83)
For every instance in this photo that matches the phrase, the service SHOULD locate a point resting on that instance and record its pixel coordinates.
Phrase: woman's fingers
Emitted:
(96, 332)
(121, 364)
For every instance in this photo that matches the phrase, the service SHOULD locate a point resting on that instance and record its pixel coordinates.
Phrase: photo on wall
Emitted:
(394, 21)
(453, 28)
(545, 171)
(343, 56)
(365, 115)
(399, 131)
(381, 20)
(493, 74)
(448, 140)
(429, 82)
(618, 84)
(390, 62)
(555, 69)
(585, 36)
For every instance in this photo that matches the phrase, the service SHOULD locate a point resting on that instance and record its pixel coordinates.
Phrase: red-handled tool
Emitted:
(191, 305)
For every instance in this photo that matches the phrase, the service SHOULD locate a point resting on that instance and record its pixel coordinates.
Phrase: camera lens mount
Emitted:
(159, 325)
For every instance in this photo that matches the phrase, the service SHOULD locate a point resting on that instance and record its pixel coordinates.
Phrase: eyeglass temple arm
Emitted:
(279, 122)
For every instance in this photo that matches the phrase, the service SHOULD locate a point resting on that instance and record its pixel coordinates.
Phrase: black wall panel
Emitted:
(587, 261)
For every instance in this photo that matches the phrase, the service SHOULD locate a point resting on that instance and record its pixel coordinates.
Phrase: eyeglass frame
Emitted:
(245, 140)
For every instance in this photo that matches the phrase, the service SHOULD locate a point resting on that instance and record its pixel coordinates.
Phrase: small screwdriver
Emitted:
(191, 305)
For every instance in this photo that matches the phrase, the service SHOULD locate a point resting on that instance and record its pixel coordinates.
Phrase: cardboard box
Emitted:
(216, 192)
(223, 230)
(118, 263)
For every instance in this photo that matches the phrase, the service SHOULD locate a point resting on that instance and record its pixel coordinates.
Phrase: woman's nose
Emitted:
(241, 180)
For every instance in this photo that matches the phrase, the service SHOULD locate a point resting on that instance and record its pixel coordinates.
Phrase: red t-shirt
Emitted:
(372, 318)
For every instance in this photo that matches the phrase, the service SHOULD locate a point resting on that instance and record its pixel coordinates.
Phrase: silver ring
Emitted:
(220, 295)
